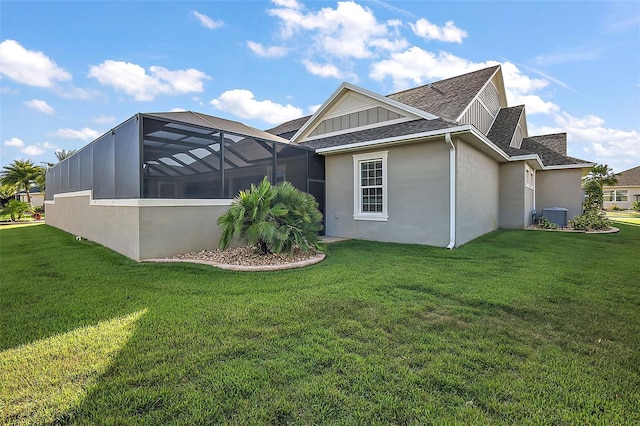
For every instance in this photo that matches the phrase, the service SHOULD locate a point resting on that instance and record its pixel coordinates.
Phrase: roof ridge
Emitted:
(444, 80)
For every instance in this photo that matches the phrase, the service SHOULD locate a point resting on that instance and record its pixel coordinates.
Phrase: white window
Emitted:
(620, 195)
(370, 186)
(530, 177)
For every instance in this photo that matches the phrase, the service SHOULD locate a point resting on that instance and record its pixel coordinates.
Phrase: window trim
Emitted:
(614, 194)
(358, 214)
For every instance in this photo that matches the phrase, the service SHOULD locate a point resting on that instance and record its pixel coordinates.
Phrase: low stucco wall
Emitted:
(139, 228)
(559, 188)
(418, 196)
(477, 195)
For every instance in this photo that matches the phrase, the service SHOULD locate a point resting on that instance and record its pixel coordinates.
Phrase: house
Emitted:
(452, 162)
(439, 164)
(37, 196)
(625, 192)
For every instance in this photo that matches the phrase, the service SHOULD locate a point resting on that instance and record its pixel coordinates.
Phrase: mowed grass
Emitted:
(517, 327)
(626, 216)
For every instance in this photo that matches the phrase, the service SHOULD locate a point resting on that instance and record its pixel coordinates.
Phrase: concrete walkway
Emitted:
(329, 239)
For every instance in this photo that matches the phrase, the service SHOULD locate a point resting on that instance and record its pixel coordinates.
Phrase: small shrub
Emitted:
(614, 208)
(545, 223)
(590, 221)
(636, 206)
(593, 196)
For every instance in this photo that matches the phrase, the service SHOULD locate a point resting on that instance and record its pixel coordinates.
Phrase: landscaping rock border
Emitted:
(246, 259)
(611, 230)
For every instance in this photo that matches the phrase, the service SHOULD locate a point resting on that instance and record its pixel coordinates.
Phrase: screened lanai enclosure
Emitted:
(155, 185)
(185, 155)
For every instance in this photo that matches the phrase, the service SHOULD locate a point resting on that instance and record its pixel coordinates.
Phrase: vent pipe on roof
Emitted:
(452, 191)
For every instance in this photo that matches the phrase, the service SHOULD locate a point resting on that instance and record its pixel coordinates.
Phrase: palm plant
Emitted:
(22, 174)
(62, 154)
(16, 208)
(302, 223)
(273, 218)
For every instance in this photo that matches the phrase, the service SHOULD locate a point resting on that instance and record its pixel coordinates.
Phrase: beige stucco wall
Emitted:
(559, 188)
(113, 227)
(37, 199)
(166, 231)
(139, 229)
(418, 196)
(512, 195)
(477, 193)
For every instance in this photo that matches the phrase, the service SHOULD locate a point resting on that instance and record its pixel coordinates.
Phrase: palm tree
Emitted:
(603, 174)
(62, 154)
(21, 173)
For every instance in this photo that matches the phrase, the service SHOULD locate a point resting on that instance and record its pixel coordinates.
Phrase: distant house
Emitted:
(440, 164)
(37, 196)
(625, 192)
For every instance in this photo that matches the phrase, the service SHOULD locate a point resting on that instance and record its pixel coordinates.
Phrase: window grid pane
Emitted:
(371, 186)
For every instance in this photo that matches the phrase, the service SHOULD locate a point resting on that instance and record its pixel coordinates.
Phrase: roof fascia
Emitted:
(465, 129)
(532, 159)
(571, 166)
(492, 149)
(390, 141)
(343, 88)
(501, 93)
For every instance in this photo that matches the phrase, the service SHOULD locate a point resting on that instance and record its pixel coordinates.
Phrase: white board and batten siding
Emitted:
(484, 109)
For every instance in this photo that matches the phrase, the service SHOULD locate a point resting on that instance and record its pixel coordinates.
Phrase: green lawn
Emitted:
(626, 216)
(517, 327)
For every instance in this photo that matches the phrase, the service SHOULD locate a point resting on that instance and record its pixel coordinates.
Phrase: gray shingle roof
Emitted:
(504, 126)
(548, 156)
(554, 141)
(446, 98)
(377, 133)
(629, 177)
(289, 128)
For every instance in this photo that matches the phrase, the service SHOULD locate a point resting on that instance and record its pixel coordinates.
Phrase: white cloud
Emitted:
(322, 70)
(14, 142)
(597, 142)
(313, 108)
(521, 88)
(291, 4)
(40, 106)
(30, 150)
(206, 21)
(534, 104)
(85, 134)
(134, 80)
(242, 103)
(33, 150)
(416, 66)
(429, 31)
(348, 31)
(104, 119)
(178, 109)
(29, 67)
(267, 52)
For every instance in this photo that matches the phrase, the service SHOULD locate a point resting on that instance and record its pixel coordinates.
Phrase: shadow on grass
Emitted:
(44, 379)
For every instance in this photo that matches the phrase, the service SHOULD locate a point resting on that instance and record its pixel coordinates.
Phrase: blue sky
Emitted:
(70, 71)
